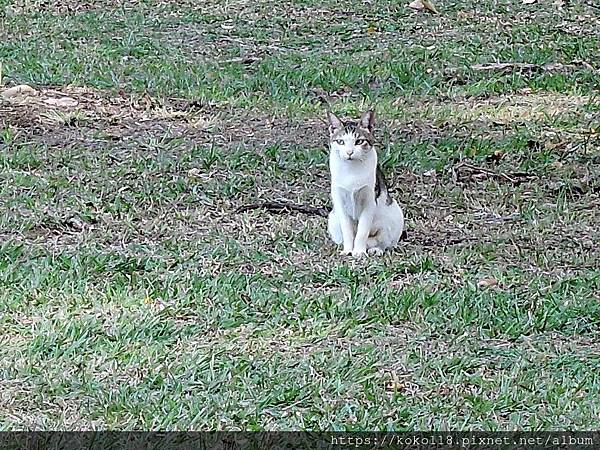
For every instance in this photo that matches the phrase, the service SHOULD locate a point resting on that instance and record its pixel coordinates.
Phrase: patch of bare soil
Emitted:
(75, 115)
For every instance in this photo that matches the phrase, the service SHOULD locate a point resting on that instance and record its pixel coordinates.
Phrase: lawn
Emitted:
(135, 295)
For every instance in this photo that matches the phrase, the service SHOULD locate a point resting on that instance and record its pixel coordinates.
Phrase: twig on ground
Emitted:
(508, 66)
(284, 207)
(242, 60)
(427, 241)
(514, 177)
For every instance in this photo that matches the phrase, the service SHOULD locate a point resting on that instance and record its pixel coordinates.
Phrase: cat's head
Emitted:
(351, 140)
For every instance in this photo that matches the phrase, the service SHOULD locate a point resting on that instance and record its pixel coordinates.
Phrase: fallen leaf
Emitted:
(420, 5)
(21, 90)
(587, 243)
(62, 101)
(487, 282)
(194, 173)
(549, 145)
(395, 384)
(496, 156)
(429, 6)
(75, 223)
(416, 4)
(464, 15)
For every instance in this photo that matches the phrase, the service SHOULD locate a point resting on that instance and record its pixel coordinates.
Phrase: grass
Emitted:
(133, 296)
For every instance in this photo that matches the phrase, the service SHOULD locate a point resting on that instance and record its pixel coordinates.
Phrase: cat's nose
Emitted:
(350, 152)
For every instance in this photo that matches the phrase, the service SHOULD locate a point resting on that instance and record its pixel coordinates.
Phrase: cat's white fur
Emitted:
(359, 221)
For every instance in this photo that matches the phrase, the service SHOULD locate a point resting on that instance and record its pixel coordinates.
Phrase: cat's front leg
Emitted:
(365, 221)
(347, 233)
(344, 220)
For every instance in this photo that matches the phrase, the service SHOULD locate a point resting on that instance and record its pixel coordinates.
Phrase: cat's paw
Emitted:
(345, 252)
(375, 251)
(359, 254)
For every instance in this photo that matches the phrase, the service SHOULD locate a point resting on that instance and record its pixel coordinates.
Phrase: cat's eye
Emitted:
(361, 141)
(339, 141)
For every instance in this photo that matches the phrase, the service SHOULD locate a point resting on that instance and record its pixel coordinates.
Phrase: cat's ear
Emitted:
(334, 122)
(367, 120)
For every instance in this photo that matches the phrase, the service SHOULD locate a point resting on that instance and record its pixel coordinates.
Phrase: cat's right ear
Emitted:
(334, 122)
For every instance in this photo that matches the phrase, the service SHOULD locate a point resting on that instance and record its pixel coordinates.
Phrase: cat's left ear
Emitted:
(367, 120)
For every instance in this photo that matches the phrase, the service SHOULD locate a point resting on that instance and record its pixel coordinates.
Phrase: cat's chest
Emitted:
(353, 185)
(354, 201)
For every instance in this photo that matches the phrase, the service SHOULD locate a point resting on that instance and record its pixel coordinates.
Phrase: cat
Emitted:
(364, 219)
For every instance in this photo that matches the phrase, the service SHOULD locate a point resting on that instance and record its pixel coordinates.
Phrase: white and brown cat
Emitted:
(364, 219)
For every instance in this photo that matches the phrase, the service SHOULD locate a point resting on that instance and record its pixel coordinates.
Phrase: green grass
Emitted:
(378, 52)
(134, 296)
